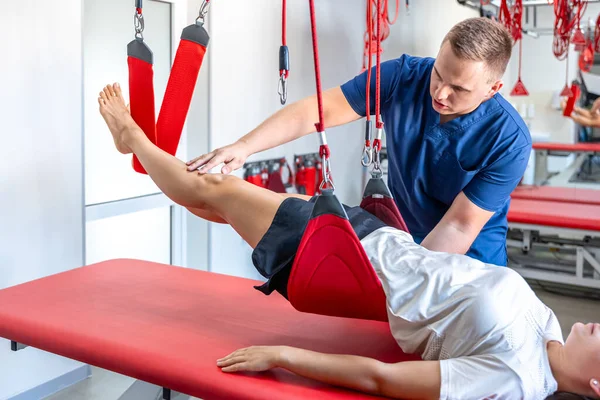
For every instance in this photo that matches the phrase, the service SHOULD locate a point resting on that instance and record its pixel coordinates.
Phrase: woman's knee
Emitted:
(216, 182)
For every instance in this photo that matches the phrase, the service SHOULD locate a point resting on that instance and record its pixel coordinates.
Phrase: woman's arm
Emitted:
(411, 379)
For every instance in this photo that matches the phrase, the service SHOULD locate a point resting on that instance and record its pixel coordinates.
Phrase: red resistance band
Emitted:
(166, 133)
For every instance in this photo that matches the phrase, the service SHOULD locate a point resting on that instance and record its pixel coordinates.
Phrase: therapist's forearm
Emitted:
(298, 119)
(449, 237)
(288, 124)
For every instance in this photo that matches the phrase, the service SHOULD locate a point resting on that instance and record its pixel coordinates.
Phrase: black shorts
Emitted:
(274, 255)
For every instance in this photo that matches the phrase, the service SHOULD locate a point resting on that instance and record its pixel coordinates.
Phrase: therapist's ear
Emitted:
(496, 86)
(595, 386)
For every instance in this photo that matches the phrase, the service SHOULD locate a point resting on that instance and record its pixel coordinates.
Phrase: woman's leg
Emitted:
(212, 217)
(247, 208)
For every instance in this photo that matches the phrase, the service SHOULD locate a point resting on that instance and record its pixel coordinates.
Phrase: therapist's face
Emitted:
(459, 86)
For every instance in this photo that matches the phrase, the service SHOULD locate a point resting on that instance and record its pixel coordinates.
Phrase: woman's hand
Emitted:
(255, 358)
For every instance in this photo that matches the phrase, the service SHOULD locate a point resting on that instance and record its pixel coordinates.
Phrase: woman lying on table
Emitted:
(480, 330)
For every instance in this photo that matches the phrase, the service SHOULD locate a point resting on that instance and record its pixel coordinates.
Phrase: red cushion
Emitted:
(168, 325)
(332, 274)
(386, 210)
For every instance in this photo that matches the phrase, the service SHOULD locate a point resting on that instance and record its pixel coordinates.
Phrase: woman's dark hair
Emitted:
(567, 396)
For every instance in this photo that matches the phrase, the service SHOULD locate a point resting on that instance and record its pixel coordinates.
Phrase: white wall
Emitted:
(431, 21)
(198, 143)
(41, 184)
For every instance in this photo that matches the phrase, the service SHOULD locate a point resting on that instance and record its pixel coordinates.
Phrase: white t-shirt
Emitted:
(483, 322)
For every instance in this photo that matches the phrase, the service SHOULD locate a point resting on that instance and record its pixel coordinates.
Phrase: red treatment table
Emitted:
(545, 149)
(571, 195)
(568, 231)
(582, 147)
(558, 214)
(168, 325)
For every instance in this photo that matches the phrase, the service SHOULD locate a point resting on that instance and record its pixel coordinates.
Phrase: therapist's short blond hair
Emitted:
(481, 39)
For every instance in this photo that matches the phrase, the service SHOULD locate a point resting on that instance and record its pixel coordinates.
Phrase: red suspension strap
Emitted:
(367, 156)
(182, 81)
(324, 149)
(166, 132)
(378, 119)
(284, 56)
(141, 77)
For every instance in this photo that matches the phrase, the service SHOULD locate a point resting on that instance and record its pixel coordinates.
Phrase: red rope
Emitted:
(283, 23)
(378, 122)
(512, 19)
(313, 23)
(370, 39)
(284, 72)
(568, 13)
(383, 12)
(386, 11)
(520, 56)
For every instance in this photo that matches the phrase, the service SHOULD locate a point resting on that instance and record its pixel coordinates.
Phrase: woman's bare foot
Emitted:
(117, 116)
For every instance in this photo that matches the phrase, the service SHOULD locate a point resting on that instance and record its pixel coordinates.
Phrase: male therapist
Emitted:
(456, 148)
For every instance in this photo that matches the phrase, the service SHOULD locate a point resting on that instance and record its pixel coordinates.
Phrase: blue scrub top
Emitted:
(483, 154)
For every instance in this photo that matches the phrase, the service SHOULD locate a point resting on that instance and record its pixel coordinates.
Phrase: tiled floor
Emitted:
(105, 385)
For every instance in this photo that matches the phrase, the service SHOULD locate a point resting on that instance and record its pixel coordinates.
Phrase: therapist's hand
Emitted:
(233, 156)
